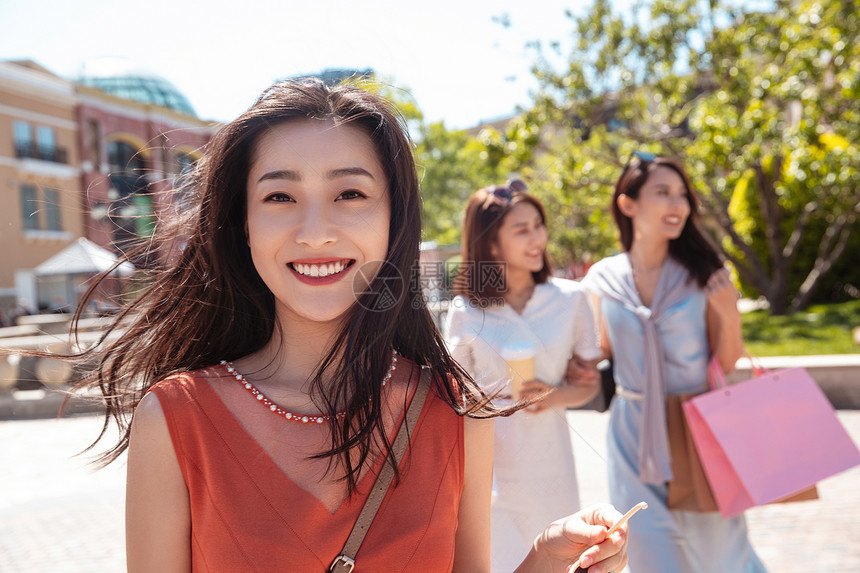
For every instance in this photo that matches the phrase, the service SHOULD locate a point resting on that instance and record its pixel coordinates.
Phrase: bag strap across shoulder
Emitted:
(345, 562)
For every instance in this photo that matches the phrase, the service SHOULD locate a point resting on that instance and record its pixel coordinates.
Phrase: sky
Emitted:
(461, 65)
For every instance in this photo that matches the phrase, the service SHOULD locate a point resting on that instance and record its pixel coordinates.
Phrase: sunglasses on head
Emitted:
(644, 156)
(503, 194)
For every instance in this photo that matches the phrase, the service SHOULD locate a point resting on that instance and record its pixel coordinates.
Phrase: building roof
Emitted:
(121, 78)
(334, 76)
(31, 65)
(83, 257)
(34, 82)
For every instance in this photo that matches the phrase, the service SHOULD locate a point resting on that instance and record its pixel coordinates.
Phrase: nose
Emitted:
(679, 201)
(315, 229)
(539, 236)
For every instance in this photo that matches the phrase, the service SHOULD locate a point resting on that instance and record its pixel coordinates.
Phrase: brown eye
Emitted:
(350, 194)
(279, 198)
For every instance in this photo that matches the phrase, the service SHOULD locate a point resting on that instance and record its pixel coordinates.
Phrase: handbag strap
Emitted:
(716, 374)
(345, 562)
(755, 365)
(716, 371)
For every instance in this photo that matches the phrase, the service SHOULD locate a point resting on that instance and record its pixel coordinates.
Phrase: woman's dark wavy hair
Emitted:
(485, 213)
(210, 304)
(691, 248)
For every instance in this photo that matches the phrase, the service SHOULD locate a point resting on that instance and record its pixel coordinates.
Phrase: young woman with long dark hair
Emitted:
(667, 306)
(260, 380)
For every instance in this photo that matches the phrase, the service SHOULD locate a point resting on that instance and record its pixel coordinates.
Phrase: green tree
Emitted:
(762, 106)
(451, 165)
(578, 224)
(572, 184)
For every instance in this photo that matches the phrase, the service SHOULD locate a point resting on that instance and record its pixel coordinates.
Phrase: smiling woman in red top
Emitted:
(269, 368)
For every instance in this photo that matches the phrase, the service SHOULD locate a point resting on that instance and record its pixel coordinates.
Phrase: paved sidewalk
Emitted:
(57, 515)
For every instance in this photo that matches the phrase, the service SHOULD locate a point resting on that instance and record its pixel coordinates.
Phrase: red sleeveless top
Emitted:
(247, 515)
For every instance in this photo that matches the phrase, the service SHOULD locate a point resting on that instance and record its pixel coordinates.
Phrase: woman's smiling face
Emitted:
(663, 206)
(318, 214)
(522, 239)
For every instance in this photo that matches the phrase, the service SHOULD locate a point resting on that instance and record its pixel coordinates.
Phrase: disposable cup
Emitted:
(520, 358)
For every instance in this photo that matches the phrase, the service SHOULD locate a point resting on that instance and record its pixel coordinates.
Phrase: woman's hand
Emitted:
(581, 384)
(581, 371)
(722, 294)
(544, 394)
(580, 536)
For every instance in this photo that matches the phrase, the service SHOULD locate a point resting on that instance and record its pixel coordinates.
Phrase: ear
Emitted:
(247, 236)
(626, 205)
(494, 249)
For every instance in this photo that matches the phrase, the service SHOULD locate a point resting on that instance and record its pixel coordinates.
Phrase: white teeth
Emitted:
(320, 270)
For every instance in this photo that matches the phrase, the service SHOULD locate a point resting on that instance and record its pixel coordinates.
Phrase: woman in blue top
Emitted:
(667, 306)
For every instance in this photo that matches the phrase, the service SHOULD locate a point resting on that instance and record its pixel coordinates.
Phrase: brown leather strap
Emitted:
(345, 562)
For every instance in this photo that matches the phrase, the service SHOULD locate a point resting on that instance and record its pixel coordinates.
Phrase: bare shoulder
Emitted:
(148, 415)
(153, 465)
(150, 436)
(149, 406)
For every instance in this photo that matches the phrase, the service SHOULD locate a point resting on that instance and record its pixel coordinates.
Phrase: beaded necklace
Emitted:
(301, 418)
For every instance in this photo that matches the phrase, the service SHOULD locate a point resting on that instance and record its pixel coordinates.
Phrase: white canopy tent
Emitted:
(83, 257)
(62, 278)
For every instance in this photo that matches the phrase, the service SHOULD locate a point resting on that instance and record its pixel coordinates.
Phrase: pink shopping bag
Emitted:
(766, 438)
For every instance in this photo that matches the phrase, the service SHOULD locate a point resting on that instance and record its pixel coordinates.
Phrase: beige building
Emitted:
(40, 195)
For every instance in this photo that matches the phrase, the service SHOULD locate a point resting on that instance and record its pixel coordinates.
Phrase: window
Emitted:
(144, 222)
(46, 143)
(23, 139)
(44, 147)
(165, 154)
(95, 144)
(182, 188)
(185, 162)
(124, 160)
(29, 207)
(40, 209)
(53, 222)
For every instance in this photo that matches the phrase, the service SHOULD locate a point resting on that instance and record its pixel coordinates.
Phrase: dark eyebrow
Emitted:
(526, 223)
(662, 186)
(333, 174)
(347, 171)
(282, 174)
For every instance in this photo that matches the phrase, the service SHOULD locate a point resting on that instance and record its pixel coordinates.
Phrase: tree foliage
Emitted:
(451, 165)
(761, 106)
